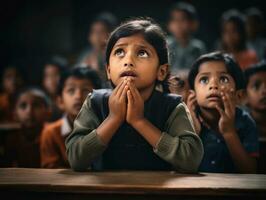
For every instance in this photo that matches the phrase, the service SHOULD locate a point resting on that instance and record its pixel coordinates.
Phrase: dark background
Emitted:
(32, 31)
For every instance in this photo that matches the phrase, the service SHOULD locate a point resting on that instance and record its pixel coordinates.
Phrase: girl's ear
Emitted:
(107, 68)
(162, 72)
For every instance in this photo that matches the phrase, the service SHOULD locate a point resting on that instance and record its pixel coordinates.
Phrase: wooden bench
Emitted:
(48, 184)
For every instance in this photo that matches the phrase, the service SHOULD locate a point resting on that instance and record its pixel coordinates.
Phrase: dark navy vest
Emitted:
(128, 150)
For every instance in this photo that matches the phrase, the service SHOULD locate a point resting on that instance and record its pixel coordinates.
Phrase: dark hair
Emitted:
(80, 73)
(253, 69)
(231, 65)
(187, 8)
(151, 32)
(37, 92)
(106, 18)
(255, 13)
(238, 20)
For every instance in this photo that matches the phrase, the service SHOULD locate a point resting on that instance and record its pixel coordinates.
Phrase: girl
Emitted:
(135, 126)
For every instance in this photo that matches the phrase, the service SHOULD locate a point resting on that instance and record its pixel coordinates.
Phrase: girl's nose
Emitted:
(128, 64)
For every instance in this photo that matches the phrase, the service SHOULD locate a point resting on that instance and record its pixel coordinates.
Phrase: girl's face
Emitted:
(212, 76)
(230, 34)
(134, 57)
(256, 91)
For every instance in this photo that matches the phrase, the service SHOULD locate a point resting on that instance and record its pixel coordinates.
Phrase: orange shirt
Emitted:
(53, 150)
(246, 58)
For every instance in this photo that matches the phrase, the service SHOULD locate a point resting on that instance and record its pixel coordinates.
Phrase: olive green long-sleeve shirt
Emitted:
(179, 145)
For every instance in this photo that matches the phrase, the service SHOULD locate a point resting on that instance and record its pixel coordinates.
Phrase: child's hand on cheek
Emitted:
(135, 105)
(191, 104)
(117, 102)
(227, 115)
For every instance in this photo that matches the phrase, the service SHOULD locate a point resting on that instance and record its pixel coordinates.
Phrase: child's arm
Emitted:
(243, 161)
(191, 104)
(180, 146)
(89, 138)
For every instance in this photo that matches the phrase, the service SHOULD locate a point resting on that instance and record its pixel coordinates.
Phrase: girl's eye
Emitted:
(204, 80)
(224, 79)
(143, 54)
(119, 52)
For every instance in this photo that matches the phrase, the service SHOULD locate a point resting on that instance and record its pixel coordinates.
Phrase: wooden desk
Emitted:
(65, 184)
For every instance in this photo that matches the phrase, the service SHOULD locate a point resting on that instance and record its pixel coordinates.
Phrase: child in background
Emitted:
(255, 30)
(135, 126)
(32, 110)
(178, 84)
(183, 48)
(51, 75)
(11, 82)
(256, 94)
(234, 39)
(74, 86)
(228, 133)
(98, 34)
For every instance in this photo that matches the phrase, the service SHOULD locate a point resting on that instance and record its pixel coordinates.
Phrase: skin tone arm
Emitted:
(243, 161)
(117, 114)
(136, 119)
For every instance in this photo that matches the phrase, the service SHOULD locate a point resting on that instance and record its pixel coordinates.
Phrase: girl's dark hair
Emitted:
(151, 32)
(238, 20)
(80, 73)
(231, 65)
(253, 69)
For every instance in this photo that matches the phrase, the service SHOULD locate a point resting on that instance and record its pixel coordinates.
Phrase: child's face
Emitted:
(98, 35)
(31, 110)
(134, 57)
(74, 93)
(51, 78)
(256, 91)
(179, 25)
(212, 76)
(230, 34)
(179, 85)
(11, 80)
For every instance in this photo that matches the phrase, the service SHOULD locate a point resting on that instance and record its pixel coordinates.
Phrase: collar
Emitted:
(65, 128)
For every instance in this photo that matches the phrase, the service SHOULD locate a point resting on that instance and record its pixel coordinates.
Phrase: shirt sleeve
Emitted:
(180, 145)
(83, 145)
(250, 137)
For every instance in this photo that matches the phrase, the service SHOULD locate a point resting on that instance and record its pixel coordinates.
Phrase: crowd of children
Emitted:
(140, 99)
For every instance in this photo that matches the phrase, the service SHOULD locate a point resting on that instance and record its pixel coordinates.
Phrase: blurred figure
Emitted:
(256, 94)
(233, 39)
(11, 82)
(178, 84)
(74, 86)
(51, 74)
(32, 110)
(254, 26)
(94, 56)
(183, 48)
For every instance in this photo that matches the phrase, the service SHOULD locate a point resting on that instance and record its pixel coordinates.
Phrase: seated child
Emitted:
(135, 126)
(178, 84)
(11, 82)
(228, 133)
(51, 75)
(74, 86)
(256, 94)
(32, 110)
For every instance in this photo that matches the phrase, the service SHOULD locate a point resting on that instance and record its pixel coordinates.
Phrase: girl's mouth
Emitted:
(128, 73)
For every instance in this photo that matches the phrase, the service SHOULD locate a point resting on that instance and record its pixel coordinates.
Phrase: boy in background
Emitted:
(74, 86)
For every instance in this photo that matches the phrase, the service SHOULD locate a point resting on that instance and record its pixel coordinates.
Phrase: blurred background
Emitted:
(34, 31)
